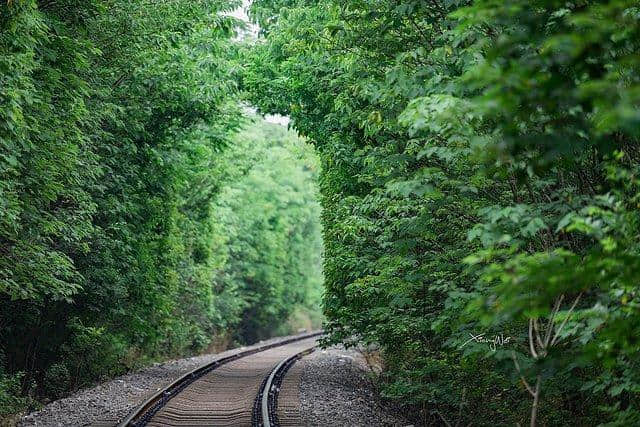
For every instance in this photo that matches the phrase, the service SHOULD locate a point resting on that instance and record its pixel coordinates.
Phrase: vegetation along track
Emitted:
(225, 391)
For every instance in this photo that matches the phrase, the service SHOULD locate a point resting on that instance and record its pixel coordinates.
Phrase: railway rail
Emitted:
(241, 389)
(265, 410)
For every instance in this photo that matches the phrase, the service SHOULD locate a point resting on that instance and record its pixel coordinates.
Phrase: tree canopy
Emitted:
(480, 176)
(128, 205)
(465, 181)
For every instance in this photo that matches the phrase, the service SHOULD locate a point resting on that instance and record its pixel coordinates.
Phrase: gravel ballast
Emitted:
(109, 402)
(336, 390)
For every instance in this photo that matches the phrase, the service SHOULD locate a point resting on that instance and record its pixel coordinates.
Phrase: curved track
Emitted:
(227, 392)
(267, 405)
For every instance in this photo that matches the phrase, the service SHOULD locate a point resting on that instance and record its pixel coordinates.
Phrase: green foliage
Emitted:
(57, 380)
(116, 122)
(10, 390)
(480, 168)
(45, 157)
(272, 219)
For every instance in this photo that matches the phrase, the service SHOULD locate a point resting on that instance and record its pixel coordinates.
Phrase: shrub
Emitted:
(57, 380)
(11, 399)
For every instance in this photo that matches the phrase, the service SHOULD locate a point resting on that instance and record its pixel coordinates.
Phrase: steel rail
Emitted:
(142, 414)
(268, 395)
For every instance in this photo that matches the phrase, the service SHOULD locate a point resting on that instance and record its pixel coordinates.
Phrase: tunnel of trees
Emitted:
(476, 162)
(144, 214)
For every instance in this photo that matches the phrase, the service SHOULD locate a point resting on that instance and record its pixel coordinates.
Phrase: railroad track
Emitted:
(241, 389)
(265, 409)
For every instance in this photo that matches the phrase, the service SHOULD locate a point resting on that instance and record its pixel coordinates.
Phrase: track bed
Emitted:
(227, 395)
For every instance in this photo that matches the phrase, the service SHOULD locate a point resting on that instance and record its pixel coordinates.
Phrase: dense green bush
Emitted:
(101, 132)
(480, 176)
(11, 401)
(56, 382)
